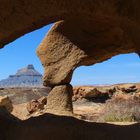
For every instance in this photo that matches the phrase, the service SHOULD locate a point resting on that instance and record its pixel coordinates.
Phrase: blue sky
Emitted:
(21, 52)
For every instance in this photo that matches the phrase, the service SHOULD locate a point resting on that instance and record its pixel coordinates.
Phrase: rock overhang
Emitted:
(20, 17)
(87, 32)
(34, 15)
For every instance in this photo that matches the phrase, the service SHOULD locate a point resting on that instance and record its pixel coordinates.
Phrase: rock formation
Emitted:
(91, 12)
(76, 46)
(25, 77)
(6, 103)
(92, 31)
(36, 105)
(74, 42)
(35, 97)
(92, 93)
(59, 100)
(103, 93)
(23, 95)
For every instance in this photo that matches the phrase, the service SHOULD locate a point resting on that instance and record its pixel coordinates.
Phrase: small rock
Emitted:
(6, 102)
(33, 106)
(43, 100)
(37, 105)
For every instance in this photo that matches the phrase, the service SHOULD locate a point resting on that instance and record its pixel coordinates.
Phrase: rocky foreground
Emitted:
(116, 103)
(19, 98)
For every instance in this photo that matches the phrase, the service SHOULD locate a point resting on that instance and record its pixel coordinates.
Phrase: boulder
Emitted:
(6, 103)
(36, 105)
(128, 88)
(103, 92)
(93, 93)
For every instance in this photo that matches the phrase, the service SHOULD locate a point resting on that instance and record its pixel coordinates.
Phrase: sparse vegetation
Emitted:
(117, 118)
(121, 108)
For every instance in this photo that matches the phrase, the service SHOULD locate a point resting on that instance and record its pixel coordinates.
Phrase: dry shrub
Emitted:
(122, 108)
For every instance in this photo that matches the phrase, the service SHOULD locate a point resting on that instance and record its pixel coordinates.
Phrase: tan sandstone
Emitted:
(36, 105)
(59, 100)
(92, 31)
(69, 45)
(6, 103)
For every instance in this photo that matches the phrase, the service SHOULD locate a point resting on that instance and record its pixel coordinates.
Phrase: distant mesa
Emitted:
(25, 77)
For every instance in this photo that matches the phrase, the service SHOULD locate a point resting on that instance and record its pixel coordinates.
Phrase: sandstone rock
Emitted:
(58, 68)
(37, 105)
(6, 103)
(77, 48)
(129, 88)
(91, 12)
(93, 93)
(43, 100)
(21, 95)
(92, 31)
(34, 106)
(59, 100)
(103, 92)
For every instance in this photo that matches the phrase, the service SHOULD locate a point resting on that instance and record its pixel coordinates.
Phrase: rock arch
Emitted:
(69, 45)
(20, 17)
(92, 31)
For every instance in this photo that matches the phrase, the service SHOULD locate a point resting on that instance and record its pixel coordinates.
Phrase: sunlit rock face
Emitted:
(25, 77)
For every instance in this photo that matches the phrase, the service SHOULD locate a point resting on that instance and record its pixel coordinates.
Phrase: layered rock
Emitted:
(128, 88)
(25, 77)
(24, 95)
(93, 93)
(103, 93)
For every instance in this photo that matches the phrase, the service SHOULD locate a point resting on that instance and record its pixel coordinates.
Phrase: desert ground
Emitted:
(93, 117)
(90, 103)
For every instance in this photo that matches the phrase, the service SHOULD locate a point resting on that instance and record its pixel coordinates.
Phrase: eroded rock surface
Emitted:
(36, 105)
(92, 31)
(24, 95)
(34, 15)
(21, 96)
(103, 93)
(59, 100)
(70, 44)
(6, 103)
(93, 93)
(97, 29)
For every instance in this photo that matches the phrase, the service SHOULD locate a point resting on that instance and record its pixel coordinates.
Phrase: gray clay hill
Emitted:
(25, 77)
